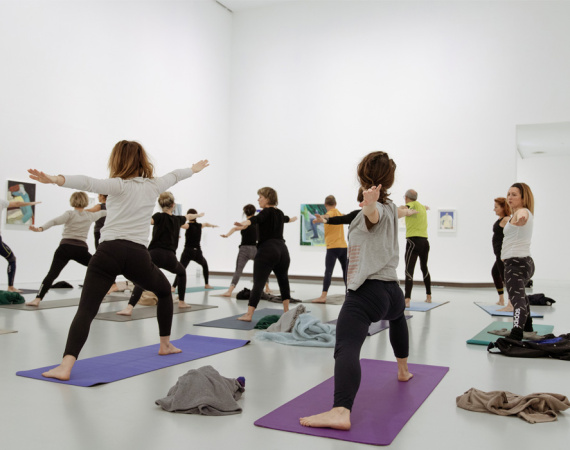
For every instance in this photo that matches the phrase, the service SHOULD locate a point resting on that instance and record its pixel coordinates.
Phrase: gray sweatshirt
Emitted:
(75, 223)
(130, 203)
(373, 254)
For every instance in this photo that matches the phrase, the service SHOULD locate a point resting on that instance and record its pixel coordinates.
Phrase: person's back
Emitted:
(416, 225)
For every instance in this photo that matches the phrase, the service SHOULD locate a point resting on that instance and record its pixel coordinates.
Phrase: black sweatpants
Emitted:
(373, 301)
(193, 254)
(111, 259)
(7, 253)
(417, 247)
(330, 260)
(63, 254)
(517, 273)
(164, 259)
(272, 255)
(498, 274)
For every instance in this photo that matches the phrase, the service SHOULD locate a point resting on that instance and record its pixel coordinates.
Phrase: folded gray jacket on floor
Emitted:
(203, 391)
(534, 408)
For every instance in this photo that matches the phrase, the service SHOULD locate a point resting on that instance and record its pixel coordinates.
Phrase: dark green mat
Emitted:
(147, 312)
(485, 338)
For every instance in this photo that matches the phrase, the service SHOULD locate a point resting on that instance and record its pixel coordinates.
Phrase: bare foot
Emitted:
(508, 308)
(321, 299)
(63, 371)
(113, 288)
(337, 418)
(13, 289)
(35, 302)
(246, 317)
(207, 286)
(182, 304)
(168, 349)
(267, 290)
(500, 303)
(404, 376)
(408, 300)
(226, 294)
(128, 311)
(428, 299)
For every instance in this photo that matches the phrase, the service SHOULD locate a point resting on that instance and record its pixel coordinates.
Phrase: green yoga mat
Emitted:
(203, 289)
(485, 338)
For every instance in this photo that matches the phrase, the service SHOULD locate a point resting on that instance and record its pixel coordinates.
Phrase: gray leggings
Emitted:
(246, 253)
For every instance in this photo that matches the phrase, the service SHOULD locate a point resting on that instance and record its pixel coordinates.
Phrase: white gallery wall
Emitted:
(438, 85)
(290, 96)
(78, 76)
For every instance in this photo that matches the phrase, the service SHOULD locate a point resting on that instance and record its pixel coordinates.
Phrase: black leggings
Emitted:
(272, 255)
(7, 253)
(498, 274)
(373, 301)
(417, 247)
(164, 259)
(63, 254)
(193, 254)
(111, 259)
(517, 273)
(330, 260)
(97, 235)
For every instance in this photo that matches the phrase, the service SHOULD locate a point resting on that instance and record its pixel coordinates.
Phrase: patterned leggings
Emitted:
(517, 273)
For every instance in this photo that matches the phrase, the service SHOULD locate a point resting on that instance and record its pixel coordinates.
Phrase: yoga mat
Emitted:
(7, 331)
(51, 304)
(375, 327)
(333, 299)
(484, 338)
(234, 324)
(382, 406)
(146, 312)
(28, 291)
(492, 310)
(117, 366)
(203, 289)
(423, 306)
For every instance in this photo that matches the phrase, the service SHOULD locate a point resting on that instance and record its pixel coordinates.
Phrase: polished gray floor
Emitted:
(122, 415)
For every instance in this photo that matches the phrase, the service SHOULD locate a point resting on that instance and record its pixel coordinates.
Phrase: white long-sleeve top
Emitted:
(75, 223)
(130, 203)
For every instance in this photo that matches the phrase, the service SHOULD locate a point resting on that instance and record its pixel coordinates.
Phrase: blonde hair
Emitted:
(166, 200)
(526, 196)
(270, 194)
(129, 160)
(79, 200)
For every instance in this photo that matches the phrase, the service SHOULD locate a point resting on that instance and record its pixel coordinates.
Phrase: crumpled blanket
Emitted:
(534, 408)
(287, 320)
(308, 331)
(203, 391)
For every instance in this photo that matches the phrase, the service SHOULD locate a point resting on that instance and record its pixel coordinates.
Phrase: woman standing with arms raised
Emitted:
(503, 210)
(132, 190)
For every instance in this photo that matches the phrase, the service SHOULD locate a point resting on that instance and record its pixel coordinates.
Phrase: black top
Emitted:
(101, 221)
(498, 237)
(166, 231)
(193, 235)
(270, 221)
(343, 220)
(249, 236)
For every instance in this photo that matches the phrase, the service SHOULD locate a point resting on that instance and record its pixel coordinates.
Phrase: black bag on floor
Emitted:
(551, 347)
(243, 294)
(540, 300)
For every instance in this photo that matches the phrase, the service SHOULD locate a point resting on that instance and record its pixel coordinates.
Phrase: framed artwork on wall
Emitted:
(20, 191)
(312, 234)
(447, 220)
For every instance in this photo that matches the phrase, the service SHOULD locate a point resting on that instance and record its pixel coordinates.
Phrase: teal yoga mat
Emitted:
(485, 338)
(203, 289)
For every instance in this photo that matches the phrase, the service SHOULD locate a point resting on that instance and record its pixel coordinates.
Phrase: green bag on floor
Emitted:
(11, 298)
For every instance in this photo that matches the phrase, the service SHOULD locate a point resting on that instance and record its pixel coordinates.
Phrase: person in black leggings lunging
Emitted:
(503, 210)
(162, 248)
(132, 189)
(272, 253)
(193, 251)
(373, 289)
(73, 245)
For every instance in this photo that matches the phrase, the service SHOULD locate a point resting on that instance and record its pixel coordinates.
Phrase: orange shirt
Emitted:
(334, 234)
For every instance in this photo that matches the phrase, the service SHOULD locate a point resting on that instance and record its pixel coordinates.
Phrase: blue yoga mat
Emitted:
(492, 309)
(203, 289)
(423, 306)
(117, 366)
(234, 324)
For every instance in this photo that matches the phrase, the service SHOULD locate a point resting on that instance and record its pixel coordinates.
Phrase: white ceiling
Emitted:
(543, 139)
(241, 5)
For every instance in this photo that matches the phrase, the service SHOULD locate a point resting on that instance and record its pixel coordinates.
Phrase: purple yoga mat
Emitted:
(117, 366)
(382, 406)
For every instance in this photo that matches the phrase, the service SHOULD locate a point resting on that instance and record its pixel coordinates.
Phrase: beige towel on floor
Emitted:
(534, 408)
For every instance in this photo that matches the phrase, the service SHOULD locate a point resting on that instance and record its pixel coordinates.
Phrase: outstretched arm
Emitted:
(404, 211)
(193, 216)
(96, 208)
(520, 218)
(229, 233)
(20, 204)
(209, 225)
(242, 225)
(368, 205)
(292, 219)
